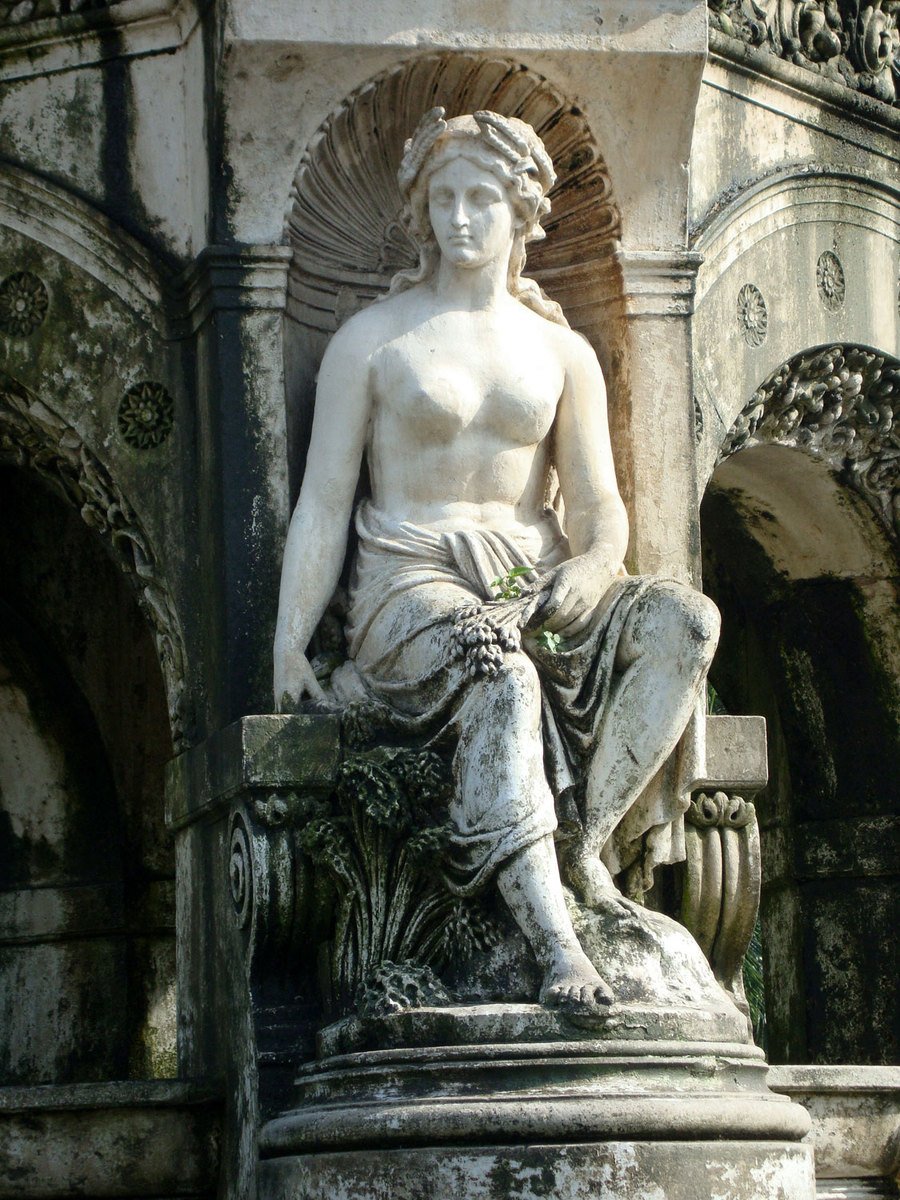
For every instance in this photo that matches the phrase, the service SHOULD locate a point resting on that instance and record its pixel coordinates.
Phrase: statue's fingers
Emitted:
(556, 608)
(578, 623)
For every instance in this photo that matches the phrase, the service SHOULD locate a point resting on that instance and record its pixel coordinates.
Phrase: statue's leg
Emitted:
(501, 787)
(663, 656)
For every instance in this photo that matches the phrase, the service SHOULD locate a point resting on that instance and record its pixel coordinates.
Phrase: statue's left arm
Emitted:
(596, 521)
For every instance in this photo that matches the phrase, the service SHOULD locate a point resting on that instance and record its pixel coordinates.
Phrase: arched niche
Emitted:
(800, 553)
(87, 940)
(344, 227)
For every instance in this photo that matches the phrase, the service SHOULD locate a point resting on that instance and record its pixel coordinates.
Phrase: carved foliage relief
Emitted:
(840, 404)
(853, 42)
(17, 12)
(34, 436)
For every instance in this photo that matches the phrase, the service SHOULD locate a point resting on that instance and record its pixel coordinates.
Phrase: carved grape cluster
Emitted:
(481, 642)
(395, 987)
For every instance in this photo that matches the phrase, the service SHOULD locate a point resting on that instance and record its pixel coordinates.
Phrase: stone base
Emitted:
(512, 1101)
(609, 1170)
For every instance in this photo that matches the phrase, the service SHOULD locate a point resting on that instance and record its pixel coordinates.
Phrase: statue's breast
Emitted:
(439, 396)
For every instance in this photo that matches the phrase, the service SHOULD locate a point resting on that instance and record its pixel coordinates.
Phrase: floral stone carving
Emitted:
(146, 415)
(830, 281)
(23, 303)
(853, 42)
(753, 316)
(18, 12)
(839, 404)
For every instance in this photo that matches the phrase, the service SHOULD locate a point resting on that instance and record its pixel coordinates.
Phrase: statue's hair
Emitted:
(512, 152)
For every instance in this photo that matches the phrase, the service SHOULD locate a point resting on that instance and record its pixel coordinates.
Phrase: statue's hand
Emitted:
(294, 679)
(578, 587)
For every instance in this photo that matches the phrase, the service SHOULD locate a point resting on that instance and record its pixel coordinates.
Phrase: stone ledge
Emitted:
(855, 1113)
(149, 1139)
(255, 753)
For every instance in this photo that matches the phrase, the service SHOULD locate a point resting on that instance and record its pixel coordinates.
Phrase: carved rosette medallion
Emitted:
(830, 281)
(23, 303)
(840, 404)
(146, 415)
(753, 315)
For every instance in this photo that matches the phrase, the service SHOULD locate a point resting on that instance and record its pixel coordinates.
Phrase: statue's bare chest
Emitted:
(442, 387)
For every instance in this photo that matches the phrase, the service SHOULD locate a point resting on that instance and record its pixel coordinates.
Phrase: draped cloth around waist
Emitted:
(409, 583)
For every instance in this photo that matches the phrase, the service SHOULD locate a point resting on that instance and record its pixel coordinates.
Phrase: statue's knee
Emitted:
(684, 625)
(699, 622)
(516, 683)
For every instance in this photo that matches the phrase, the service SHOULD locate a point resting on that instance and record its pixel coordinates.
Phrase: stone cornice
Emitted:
(231, 277)
(658, 283)
(54, 43)
(806, 76)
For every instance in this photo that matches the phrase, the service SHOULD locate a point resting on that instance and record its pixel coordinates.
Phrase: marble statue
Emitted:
(488, 597)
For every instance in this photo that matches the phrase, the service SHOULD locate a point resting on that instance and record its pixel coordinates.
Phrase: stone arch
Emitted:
(343, 221)
(802, 257)
(800, 545)
(839, 404)
(34, 435)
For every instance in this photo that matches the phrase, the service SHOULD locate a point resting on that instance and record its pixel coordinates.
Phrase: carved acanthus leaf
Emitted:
(840, 404)
(33, 435)
(853, 42)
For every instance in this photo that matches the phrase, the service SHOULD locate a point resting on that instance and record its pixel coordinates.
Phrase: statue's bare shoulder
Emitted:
(369, 329)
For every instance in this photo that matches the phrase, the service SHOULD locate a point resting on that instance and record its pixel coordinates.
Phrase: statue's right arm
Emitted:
(317, 538)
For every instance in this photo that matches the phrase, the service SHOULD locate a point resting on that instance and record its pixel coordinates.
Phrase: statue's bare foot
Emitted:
(590, 879)
(573, 986)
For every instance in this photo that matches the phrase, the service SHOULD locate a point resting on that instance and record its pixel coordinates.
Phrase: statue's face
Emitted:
(471, 213)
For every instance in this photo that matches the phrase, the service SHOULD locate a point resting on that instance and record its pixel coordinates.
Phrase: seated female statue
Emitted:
(472, 401)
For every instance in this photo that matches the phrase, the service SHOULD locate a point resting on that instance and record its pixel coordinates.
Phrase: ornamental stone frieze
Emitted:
(853, 42)
(840, 404)
(17, 12)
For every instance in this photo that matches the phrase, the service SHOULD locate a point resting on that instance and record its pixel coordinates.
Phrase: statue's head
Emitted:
(505, 147)
(511, 153)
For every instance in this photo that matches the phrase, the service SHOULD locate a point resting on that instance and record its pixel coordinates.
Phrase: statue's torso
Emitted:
(462, 405)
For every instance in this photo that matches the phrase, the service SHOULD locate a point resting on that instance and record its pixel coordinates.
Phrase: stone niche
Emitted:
(347, 239)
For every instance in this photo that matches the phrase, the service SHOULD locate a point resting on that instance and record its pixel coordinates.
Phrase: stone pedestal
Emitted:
(496, 1101)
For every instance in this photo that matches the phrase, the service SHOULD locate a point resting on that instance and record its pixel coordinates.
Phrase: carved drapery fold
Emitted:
(852, 42)
(32, 435)
(840, 404)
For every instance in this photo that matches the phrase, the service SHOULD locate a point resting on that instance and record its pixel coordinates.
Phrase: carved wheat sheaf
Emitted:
(345, 222)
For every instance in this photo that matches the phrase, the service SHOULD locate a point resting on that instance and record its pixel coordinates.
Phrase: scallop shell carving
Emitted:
(343, 222)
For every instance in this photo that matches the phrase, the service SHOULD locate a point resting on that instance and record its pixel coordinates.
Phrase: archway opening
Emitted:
(807, 580)
(87, 972)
